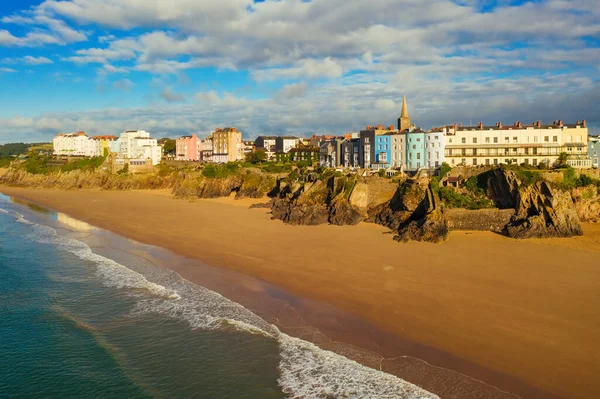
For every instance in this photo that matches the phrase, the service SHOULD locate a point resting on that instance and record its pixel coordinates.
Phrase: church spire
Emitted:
(404, 120)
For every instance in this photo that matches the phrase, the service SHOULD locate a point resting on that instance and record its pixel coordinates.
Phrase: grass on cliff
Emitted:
(220, 171)
(38, 164)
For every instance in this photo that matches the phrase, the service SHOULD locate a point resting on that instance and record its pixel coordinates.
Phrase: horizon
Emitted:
(184, 67)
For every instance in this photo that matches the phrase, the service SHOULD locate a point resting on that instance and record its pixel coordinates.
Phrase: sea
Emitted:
(85, 313)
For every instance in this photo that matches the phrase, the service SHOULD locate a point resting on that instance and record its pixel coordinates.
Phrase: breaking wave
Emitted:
(306, 371)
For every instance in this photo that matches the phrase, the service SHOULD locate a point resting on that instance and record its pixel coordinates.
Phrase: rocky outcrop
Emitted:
(319, 202)
(503, 188)
(427, 223)
(543, 212)
(587, 203)
(480, 219)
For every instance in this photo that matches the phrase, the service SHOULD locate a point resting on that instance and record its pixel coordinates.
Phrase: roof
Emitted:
(104, 137)
(288, 137)
(266, 137)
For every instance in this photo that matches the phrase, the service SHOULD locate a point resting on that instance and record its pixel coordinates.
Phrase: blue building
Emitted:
(415, 150)
(594, 150)
(383, 152)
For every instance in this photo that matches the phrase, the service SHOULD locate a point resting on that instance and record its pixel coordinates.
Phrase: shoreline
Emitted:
(95, 207)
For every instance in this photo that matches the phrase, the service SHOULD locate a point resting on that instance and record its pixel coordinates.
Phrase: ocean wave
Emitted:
(306, 371)
(113, 273)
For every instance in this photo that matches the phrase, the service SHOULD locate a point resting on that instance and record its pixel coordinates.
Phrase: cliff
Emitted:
(540, 210)
(314, 203)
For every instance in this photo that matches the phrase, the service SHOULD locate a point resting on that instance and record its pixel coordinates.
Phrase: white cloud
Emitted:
(28, 59)
(385, 104)
(170, 96)
(292, 90)
(123, 84)
(7, 70)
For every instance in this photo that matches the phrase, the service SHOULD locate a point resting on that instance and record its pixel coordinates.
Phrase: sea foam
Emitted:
(306, 371)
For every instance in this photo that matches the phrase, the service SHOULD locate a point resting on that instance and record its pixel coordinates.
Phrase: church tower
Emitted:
(404, 120)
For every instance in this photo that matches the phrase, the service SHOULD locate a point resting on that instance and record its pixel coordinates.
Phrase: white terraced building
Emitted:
(137, 144)
(529, 144)
(74, 144)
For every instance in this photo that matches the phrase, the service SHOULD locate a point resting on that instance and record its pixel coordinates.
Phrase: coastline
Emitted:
(511, 316)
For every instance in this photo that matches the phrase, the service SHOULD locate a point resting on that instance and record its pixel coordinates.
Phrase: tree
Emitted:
(562, 160)
(257, 156)
(168, 146)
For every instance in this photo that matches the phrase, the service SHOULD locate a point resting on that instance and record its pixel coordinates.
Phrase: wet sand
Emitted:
(526, 310)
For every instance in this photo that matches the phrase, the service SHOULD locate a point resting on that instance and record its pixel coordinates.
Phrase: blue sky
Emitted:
(292, 67)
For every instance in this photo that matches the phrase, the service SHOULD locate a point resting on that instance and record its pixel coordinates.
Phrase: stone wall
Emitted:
(481, 219)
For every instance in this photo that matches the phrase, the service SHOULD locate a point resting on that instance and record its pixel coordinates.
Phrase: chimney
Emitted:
(583, 123)
(578, 122)
(500, 125)
(454, 126)
(539, 123)
(560, 123)
(379, 127)
(391, 127)
(519, 124)
(460, 124)
(233, 129)
(368, 127)
(480, 125)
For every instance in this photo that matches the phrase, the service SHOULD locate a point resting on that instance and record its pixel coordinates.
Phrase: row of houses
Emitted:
(135, 145)
(408, 148)
(221, 146)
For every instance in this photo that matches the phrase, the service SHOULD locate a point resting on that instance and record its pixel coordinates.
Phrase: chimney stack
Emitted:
(539, 123)
(560, 123)
(480, 125)
(519, 124)
(583, 123)
(460, 124)
(391, 127)
(379, 127)
(454, 126)
(233, 129)
(578, 122)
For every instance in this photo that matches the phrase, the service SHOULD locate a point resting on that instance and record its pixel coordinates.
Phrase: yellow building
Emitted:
(227, 145)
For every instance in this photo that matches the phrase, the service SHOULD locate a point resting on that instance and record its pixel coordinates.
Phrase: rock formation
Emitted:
(540, 211)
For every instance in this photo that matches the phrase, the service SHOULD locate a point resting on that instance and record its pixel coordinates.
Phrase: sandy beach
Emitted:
(525, 309)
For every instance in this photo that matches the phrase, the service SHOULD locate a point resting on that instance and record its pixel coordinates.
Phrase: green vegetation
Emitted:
(85, 164)
(5, 162)
(214, 171)
(124, 171)
(444, 169)
(273, 167)
(528, 177)
(257, 157)
(454, 199)
(10, 149)
(561, 162)
(168, 145)
(570, 180)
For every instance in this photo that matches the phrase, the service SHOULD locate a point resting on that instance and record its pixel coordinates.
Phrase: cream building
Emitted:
(227, 145)
(530, 144)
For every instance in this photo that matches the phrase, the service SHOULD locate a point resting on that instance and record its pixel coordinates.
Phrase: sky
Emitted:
(175, 67)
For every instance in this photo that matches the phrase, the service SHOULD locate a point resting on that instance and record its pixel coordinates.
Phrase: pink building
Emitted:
(188, 148)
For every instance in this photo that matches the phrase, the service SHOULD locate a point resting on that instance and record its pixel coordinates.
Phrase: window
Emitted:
(474, 161)
(535, 139)
(546, 139)
(436, 137)
(555, 139)
(450, 140)
(495, 161)
(507, 139)
(487, 140)
(414, 147)
(418, 139)
(495, 139)
(418, 155)
(515, 139)
(534, 162)
(475, 151)
(464, 140)
(474, 140)
(463, 161)
(526, 161)
(437, 155)
(487, 161)
(463, 151)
